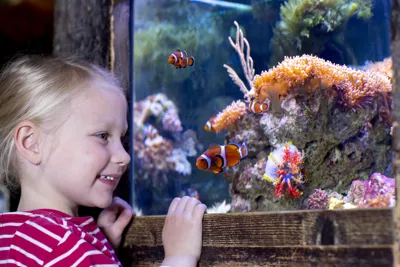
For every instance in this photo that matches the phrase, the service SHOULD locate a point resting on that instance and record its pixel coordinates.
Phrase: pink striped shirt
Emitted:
(52, 238)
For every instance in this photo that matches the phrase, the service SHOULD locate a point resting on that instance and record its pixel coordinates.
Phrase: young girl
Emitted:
(61, 123)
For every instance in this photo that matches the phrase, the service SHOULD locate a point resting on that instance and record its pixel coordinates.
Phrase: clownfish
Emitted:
(255, 106)
(216, 158)
(208, 127)
(150, 131)
(180, 59)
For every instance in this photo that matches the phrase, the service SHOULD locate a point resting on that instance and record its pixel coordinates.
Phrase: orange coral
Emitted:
(383, 67)
(381, 201)
(229, 115)
(309, 73)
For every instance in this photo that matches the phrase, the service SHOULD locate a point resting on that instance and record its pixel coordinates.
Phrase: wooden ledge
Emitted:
(357, 237)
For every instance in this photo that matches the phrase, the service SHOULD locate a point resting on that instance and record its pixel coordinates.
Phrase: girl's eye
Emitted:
(103, 136)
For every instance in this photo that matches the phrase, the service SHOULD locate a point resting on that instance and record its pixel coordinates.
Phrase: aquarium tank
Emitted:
(258, 105)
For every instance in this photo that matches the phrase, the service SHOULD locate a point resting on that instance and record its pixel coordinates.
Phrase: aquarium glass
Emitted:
(258, 105)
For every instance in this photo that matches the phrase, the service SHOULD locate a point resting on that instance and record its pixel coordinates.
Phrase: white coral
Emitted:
(219, 208)
(180, 162)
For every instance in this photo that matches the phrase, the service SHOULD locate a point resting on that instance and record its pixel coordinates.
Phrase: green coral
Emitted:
(307, 25)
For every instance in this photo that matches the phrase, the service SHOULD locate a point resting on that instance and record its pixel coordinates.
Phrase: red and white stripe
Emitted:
(52, 238)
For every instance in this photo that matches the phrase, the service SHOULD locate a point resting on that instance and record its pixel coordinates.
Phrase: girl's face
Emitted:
(85, 158)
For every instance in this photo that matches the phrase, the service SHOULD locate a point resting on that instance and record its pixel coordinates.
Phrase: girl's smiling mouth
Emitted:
(111, 180)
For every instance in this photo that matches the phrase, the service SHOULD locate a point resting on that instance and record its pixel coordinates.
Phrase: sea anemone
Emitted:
(284, 170)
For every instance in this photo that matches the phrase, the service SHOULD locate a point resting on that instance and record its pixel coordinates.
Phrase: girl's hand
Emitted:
(113, 226)
(182, 232)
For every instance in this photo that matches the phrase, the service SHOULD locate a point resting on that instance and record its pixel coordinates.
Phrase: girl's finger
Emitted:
(173, 205)
(123, 220)
(199, 211)
(182, 204)
(191, 204)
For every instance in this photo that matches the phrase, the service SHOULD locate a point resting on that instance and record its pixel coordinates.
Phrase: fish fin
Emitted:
(191, 61)
(218, 171)
(219, 161)
(235, 144)
(177, 50)
(214, 146)
(244, 151)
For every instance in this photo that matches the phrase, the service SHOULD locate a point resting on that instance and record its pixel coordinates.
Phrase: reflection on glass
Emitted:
(302, 120)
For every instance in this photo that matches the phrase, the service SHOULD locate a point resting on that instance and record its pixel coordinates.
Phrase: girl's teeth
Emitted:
(107, 177)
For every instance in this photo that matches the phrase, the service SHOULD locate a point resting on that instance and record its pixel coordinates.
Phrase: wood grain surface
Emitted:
(360, 237)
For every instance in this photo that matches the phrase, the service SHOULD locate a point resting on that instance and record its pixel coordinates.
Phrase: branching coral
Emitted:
(305, 74)
(237, 109)
(247, 62)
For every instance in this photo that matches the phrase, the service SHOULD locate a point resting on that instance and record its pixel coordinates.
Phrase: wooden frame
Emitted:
(360, 237)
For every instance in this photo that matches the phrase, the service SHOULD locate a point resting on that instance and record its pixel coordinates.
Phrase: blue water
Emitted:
(202, 29)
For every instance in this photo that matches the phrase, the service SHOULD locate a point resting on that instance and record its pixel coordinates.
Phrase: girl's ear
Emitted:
(26, 138)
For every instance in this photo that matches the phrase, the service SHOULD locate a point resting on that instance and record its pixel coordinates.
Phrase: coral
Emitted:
(246, 62)
(219, 208)
(150, 159)
(306, 74)
(179, 162)
(307, 26)
(137, 211)
(338, 117)
(156, 157)
(381, 201)
(229, 115)
(318, 200)
(171, 121)
(160, 107)
(284, 168)
(188, 142)
(378, 191)
(383, 67)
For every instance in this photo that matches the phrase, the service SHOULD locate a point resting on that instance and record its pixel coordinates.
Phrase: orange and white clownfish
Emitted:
(255, 106)
(180, 59)
(208, 127)
(216, 158)
(150, 131)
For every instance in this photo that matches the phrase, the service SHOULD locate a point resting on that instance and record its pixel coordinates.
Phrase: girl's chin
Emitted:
(101, 203)
(104, 203)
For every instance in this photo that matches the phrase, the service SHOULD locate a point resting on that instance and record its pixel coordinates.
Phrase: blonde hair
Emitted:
(40, 89)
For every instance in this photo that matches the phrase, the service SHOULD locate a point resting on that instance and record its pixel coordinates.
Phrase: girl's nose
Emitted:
(120, 156)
